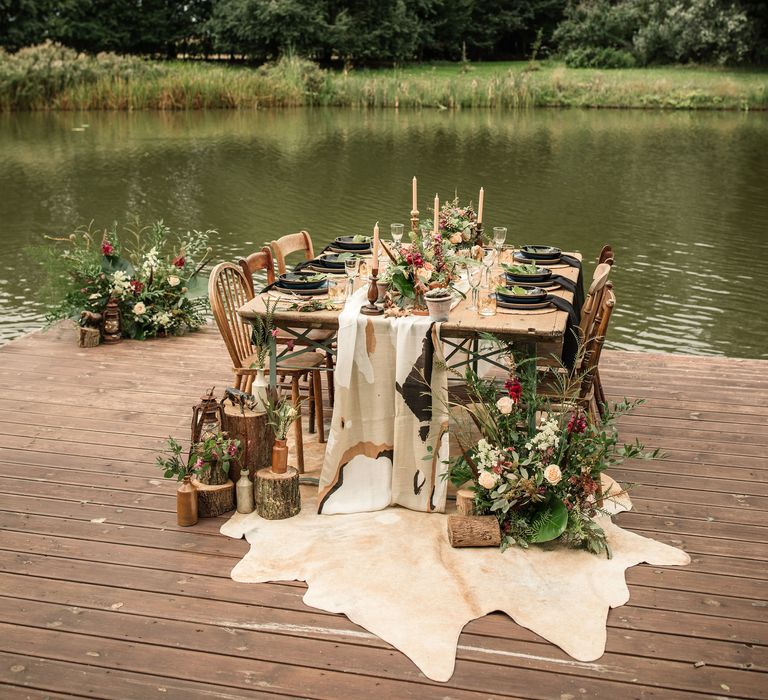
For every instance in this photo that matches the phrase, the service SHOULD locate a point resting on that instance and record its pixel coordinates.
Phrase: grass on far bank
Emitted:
(294, 82)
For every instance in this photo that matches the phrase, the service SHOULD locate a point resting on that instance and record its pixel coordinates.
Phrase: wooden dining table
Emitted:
(538, 332)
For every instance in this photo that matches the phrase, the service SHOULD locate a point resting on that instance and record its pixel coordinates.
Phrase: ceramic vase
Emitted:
(260, 390)
(439, 309)
(244, 493)
(280, 457)
(186, 503)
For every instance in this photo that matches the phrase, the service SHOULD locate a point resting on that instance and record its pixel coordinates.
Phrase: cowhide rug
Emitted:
(394, 573)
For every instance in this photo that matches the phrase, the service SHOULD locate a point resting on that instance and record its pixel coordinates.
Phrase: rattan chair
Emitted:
(228, 290)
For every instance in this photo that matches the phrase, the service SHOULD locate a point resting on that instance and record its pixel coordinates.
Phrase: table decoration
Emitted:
(456, 224)
(439, 302)
(414, 209)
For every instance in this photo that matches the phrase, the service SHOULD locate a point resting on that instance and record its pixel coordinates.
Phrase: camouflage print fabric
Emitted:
(390, 407)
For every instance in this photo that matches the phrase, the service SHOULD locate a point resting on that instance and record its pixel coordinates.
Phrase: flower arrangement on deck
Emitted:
(535, 462)
(210, 460)
(148, 274)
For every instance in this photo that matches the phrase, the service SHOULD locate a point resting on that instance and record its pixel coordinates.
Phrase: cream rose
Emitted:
(553, 474)
(505, 405)
(456, 238)
(423, 273)
(488, 480)
(174, 281)
(139, 308)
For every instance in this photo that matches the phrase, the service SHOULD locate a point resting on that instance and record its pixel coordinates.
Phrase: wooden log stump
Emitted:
(465, 502)
(277, 495)
(88, 337)
(255, 434)
(214, 499)
(474, 531)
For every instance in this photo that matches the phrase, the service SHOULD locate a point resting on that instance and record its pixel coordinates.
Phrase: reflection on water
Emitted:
(681, 196)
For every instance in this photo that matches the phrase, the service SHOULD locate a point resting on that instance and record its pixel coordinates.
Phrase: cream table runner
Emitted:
(389, 432)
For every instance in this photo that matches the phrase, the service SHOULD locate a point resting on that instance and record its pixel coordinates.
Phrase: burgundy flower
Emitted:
(514, 389)
(106, 248)
(137, 287)
(180, 261)
(232, 449)
(577, 423)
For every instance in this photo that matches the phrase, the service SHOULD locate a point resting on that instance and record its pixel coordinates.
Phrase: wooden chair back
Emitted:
(594, 298)
(593, 345)
(292, 243)
(606, 256)
(228, 290)
(255, 262)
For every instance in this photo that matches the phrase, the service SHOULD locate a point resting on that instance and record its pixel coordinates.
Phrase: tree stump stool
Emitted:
(214, 499)
(255, 434)
(474, 531)
(88, 337)
(465, 502)
(277, 495)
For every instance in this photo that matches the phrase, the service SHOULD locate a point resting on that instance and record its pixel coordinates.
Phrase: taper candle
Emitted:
(437, 212)
(480, 206)
(376, 246)
(413, 205)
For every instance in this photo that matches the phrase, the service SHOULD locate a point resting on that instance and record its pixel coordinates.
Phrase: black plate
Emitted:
(521, 258)
(346, 243)
(330, 261)
(319, 291)
(542, 275)
(541, 252)
(519, 299)
(297, 280)
(521, 307)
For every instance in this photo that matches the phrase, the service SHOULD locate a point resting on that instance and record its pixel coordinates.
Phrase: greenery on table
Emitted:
(535, 462)
(147, 269)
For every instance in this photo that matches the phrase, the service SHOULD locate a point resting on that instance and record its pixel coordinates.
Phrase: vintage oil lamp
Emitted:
(206, 418)
(112, 329)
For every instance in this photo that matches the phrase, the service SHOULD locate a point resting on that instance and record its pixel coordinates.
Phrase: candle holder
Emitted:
(415, 220)
(479, 234)
(370, 309)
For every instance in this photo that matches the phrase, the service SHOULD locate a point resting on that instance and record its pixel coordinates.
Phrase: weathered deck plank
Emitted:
(138, 607)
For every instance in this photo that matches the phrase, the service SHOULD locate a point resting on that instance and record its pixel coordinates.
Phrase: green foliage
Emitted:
(551, 521)
(601, 33)
(173, 465)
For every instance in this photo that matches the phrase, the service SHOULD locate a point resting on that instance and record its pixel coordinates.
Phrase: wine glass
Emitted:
(474, 277)
(499, 236)
(351, 266)
(489, 258)
(396, 231)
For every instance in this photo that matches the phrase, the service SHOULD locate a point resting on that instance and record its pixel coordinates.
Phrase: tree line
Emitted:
(609, 33)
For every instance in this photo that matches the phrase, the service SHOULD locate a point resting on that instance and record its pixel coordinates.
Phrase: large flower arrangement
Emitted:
(424, 264)
(148, 275)
(456, 223)
(536, 463)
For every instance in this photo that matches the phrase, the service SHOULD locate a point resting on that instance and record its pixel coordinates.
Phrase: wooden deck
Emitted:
(102, 595)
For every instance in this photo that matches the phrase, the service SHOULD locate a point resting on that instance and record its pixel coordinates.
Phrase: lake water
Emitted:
(682, 197)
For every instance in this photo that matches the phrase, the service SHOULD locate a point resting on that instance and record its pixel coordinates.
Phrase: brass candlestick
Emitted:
(415, 220)
(370, 309)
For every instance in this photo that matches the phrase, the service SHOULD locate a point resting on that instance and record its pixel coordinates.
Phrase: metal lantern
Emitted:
(112, 329)
(206, 418)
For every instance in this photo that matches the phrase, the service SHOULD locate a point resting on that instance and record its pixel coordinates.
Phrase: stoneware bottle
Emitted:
(186, 503)
(244, 493)
(280, 457)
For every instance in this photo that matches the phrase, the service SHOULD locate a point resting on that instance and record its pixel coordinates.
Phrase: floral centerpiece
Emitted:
(456, 223)
(536, 463)
(426, 263)
(148, 275)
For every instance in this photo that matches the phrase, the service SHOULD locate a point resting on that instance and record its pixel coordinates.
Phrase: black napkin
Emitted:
(570, 339)
(578, 293)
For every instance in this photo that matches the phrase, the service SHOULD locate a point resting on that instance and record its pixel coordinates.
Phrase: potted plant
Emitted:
(174, 466)
(215, 455)
(280, 415)
(439, 302)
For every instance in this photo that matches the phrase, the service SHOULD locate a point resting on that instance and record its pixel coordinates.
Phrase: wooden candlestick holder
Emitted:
(479, 234)
(415, 220)
(370, 309)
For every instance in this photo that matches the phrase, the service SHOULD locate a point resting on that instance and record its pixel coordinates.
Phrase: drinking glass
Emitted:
(487, 303)
(499, 236)
(336, 291)
(351, 266)
(489, 258)
(397, 233)
(474, 277)
(507, 254)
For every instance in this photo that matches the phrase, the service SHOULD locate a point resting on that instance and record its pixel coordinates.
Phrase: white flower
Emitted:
(488, 480)
(94, 296)
(139, 308)
(546, 436)
(505, 405)
(121, 283)
(423, 273)
(162, 319)
(174, 281)
(150, 261)
(553, 474)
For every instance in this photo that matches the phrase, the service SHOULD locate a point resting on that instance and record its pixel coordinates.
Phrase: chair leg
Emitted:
(311, 401)
(248, 383)
(318, 386)
(238, 381)
(329, 377)
(297, 423)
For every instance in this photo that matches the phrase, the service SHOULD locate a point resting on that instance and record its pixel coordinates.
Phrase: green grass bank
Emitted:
(112, 83)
